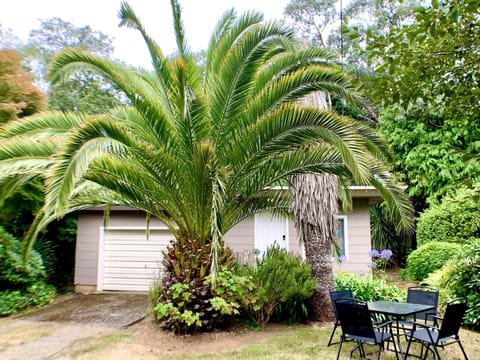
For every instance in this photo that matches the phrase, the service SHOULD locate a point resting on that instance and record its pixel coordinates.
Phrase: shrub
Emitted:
(455, 219)
(463, 280)
(278, 278)
(369, 288)
(427, 258)
(23, 286)
(438, 280)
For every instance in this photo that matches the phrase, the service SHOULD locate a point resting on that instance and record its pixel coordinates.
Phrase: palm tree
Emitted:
(198, 151)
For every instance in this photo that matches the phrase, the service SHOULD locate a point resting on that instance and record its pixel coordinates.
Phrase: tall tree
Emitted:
(200, 155)
(18, 96)
(314, 17)
(427, 81)
(79, 91)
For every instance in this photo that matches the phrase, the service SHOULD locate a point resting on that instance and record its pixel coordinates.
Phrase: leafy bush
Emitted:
(455, 219)
(56, 244)
(38, 294)
(427, 258)
(369, 288)
(463, 280)
(438, 280)
(182, 298)
(23, 286)
(278, 278)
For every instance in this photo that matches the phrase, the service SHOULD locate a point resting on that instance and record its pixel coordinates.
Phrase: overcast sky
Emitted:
(199, 18)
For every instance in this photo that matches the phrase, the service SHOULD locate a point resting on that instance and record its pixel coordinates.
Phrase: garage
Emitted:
(129, 261)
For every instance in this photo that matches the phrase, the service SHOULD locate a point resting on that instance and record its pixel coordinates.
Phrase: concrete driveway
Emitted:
(43, 333)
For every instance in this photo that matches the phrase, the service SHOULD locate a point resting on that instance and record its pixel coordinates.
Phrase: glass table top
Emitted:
(397, 308)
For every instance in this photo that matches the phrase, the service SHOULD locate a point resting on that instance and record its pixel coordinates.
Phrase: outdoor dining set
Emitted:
(388, 322)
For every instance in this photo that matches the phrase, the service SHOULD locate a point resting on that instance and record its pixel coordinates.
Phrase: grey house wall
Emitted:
(241, 239)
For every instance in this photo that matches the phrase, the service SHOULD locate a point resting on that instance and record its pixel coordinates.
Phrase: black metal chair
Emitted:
(432, 337)
(423, 295)
(357, 326)
(420, 295)
(334, 296)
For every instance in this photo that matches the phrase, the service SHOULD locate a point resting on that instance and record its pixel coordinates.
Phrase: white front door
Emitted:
(270, 230)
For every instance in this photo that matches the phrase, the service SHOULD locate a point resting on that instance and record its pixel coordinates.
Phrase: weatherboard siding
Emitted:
(241, 239)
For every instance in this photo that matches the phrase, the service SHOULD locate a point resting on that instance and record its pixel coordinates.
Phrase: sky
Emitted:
(199, 18)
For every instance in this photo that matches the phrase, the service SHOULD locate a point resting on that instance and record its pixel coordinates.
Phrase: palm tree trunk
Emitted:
(314, 205)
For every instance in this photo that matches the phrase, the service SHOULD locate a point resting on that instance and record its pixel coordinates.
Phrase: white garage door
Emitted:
(130, 261)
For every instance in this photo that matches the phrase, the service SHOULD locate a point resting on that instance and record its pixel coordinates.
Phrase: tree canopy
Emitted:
(18, 96)
(79, 91)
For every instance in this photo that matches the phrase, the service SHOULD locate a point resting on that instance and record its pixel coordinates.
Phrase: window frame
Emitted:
(344, 218)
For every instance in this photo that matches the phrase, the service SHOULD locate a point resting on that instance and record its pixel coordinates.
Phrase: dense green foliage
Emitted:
(431, 120)
(21, 286)
(464, 280)
(369, 288)
(460, 277)
(427, 258)
(455, 219)
(278, 277)
(432, 155)
(56, 244)
(441, 44)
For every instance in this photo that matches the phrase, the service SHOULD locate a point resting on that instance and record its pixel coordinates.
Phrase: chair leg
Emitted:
(395, 346)
(463, 350)
(362, 350)
(340, 348)
(437, 354)
(332, 334)
(380, 348)
(426, 352)
(408, 347)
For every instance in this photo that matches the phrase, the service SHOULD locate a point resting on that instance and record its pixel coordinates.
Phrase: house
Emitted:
(120, 257)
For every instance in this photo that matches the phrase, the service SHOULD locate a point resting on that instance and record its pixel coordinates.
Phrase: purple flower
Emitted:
(374, 264)
(342, 258)
(374, 253)
(386, 254)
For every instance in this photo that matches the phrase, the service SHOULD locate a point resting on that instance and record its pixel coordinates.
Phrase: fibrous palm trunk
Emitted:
(314, 205)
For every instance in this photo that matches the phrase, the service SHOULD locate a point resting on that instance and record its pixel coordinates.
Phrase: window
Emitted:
(341, 235)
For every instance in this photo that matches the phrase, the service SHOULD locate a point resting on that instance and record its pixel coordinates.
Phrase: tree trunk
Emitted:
(314, 205)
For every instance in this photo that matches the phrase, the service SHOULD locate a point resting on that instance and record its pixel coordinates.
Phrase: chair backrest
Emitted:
(339, 295)
(423, 295)
(355, 318)
(453, 318)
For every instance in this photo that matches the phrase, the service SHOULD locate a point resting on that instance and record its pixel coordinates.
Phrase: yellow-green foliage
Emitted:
(427, 258)
(455, 219)
(369, 288)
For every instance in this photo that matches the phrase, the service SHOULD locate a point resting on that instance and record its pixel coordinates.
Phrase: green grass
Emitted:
(299, 342)
(306, 342)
